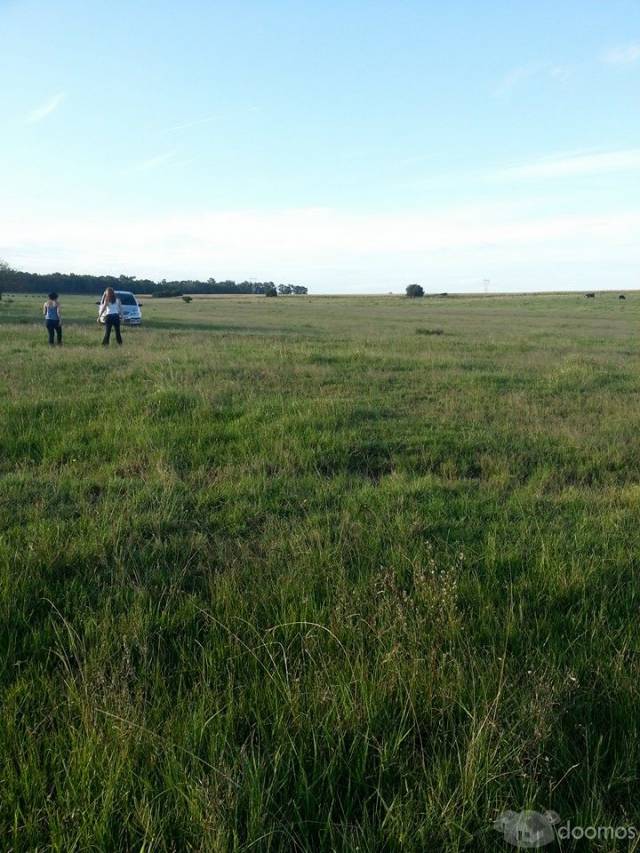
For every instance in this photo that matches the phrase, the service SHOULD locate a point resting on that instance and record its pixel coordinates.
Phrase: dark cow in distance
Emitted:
(590, 295)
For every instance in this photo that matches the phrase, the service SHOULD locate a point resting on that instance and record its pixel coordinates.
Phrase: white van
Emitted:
(131, 313)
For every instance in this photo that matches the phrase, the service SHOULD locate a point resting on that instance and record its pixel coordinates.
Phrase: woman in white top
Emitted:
(111, 312)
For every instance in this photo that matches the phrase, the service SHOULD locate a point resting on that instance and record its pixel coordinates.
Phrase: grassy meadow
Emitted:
(319, 574)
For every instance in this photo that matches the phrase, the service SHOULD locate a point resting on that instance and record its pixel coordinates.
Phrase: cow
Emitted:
(590, 295)
(622, 296)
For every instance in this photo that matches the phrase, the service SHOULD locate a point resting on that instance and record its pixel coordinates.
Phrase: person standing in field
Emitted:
(111, 311)
(53, 319)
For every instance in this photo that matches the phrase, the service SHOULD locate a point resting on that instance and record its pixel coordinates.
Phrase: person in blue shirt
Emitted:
(53, 318)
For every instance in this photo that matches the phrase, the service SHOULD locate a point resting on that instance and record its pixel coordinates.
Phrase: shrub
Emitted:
(187, 299)
(414, 291)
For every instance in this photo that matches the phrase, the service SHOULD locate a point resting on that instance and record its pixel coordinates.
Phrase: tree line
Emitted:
(16, 281)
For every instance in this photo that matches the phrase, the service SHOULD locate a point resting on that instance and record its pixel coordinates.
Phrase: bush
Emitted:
(271, 291)
(414, 291)
(187, 299)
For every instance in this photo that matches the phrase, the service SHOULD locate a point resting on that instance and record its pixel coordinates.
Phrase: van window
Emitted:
(126, 298)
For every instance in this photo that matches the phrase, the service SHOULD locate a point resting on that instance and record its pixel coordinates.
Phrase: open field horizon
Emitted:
(431, 294)
(319, 573)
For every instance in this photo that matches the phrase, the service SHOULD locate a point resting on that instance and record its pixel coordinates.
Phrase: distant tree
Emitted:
(4, 268)
(284, 289)
(270, 291)
(414, 291)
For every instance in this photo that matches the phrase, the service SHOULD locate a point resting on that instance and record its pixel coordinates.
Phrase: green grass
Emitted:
(319, 574)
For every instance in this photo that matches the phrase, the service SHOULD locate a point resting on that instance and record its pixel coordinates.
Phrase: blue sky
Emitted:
(350, 146)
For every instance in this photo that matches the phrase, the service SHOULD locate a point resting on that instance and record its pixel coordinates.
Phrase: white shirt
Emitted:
(111, 307)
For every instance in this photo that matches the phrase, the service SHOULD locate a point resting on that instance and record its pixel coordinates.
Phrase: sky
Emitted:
(354, 147)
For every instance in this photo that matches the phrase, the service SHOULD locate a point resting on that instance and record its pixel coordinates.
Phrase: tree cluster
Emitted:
(15, 281)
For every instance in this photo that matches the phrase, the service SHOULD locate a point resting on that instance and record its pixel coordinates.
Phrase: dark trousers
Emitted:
(54, 328)
(111, 321)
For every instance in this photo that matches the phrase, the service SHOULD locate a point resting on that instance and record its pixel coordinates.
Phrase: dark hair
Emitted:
(109, 295)
(53, 296)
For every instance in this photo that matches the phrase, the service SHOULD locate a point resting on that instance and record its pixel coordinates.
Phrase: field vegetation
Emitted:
(319, 574)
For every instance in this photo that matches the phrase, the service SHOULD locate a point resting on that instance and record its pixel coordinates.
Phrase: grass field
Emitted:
(319, 574)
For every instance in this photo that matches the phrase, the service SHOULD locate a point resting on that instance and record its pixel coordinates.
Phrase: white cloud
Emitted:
(47, 108)
(329, 249)
(514, 78)
(580, 163)
(625, 54)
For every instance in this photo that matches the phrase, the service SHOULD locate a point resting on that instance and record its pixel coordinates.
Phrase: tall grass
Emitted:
(301, 574)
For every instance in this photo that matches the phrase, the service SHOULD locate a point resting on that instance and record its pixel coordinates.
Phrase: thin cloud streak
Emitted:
(577, 164)
(624, 54)
(514, 78)
(208, 119)
(187, 124)
(46, 109)
(156, 162)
